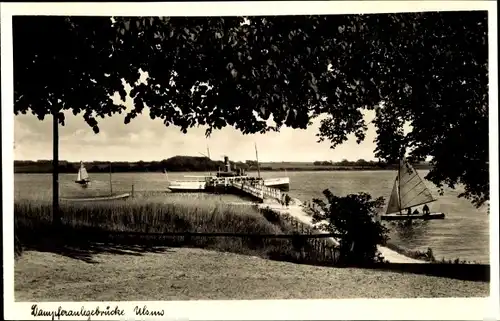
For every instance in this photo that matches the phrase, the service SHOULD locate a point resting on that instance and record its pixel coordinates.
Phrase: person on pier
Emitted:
(287, 200)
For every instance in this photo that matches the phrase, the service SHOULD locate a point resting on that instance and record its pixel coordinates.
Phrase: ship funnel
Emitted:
(227, 164)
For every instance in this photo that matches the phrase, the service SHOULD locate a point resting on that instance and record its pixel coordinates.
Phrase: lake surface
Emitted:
(464, 233)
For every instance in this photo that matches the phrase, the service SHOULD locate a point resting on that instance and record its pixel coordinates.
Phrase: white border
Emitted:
(437, 309)
(493, 149)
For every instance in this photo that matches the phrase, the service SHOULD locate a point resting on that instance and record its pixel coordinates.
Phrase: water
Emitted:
(464, 233)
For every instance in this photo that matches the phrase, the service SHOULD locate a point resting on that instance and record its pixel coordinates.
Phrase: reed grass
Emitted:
(83, 223)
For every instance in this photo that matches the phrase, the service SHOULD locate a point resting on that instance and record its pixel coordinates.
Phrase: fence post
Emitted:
(132, 190)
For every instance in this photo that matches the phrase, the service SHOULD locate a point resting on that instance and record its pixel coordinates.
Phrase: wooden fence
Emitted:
(309, 246)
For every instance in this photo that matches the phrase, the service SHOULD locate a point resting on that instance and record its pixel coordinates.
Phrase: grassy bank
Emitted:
(88, 224)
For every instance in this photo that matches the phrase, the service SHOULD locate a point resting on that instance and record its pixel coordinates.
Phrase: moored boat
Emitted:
(98, 198)
(224, 179)
(281, 183)
(187, 186)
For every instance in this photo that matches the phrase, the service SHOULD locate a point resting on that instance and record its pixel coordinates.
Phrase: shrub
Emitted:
(353, 218)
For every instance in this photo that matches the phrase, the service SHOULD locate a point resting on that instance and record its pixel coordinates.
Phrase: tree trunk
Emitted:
(56, 214)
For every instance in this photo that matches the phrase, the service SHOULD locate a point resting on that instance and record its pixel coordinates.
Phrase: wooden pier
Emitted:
(259, 192)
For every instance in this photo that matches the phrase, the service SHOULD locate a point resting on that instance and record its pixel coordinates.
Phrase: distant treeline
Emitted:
(198, 164)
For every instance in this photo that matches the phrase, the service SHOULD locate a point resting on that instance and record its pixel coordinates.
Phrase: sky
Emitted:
(146, 139)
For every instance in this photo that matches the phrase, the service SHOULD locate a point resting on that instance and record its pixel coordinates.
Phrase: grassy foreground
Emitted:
(196, 274)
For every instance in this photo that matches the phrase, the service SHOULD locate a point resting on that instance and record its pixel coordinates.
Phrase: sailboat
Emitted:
(409, 190)
(84, 180)
(83, 177)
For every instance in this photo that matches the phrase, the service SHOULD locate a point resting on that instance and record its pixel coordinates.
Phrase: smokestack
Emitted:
(228, 165)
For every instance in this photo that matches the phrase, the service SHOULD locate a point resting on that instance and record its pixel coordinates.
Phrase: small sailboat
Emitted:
(84, 180)
(83, 177)
(409, 190)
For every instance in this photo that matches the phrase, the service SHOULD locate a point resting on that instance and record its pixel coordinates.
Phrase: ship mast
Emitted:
(400, 161)
(257, 157)
(110, 182)
(399, 187)
(207, 156)
(208, 153)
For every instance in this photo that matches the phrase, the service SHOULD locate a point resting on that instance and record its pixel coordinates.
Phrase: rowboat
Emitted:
(97, 198)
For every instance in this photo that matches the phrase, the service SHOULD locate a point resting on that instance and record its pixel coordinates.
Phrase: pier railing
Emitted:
(253, 190)
(270, 192)
(260, 191)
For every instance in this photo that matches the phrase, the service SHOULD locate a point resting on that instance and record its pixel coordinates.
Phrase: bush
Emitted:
(353, 218)
(455, 261)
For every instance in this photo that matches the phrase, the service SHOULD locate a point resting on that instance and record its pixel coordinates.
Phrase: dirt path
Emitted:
(296, 210)
(182, 274)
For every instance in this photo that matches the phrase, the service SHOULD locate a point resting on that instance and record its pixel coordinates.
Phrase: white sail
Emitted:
(82, 174)
(409, 190)
(393, 205)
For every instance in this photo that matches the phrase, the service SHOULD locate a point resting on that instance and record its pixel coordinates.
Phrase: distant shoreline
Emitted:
(348, 169)
(202, 164)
